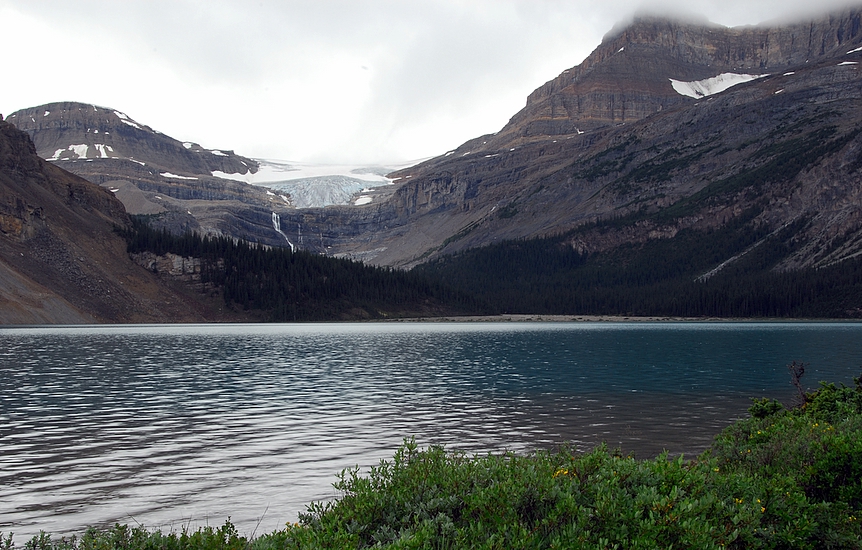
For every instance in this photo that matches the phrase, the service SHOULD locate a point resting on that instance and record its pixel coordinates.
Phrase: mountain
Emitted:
(671, 131)
(642, 68)
(184, 186)
(61, 260)
(669, 124)
(153, 174)
(70, 254)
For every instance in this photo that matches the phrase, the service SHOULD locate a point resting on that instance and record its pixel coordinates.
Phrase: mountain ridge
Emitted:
(154, 174)
(662, 49)
(508, 168)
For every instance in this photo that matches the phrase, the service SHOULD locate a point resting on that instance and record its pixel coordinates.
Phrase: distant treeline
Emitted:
(661, 277)
(300, 285)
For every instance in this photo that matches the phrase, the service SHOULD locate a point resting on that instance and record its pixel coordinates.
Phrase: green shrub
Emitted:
(763, 407)
(122, 537)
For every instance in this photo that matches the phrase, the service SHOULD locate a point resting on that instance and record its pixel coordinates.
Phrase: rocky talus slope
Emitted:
(61, 260)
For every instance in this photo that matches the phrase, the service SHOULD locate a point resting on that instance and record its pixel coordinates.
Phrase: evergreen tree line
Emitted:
(659, 278)
(534, 276)
(301, 285)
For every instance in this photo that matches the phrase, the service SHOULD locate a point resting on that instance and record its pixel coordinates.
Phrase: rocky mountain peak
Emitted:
(629, 75)
(61, 258)
(71, 131)
(661, 115)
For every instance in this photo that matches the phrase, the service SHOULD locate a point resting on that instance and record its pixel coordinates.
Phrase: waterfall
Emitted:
(276, 224)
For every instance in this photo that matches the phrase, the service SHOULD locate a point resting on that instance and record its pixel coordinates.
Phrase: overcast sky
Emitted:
(319, 80)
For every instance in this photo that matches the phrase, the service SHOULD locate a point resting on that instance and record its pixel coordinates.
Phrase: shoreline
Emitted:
(539, 318)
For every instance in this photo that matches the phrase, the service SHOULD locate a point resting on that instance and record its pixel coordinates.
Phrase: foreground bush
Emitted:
(123, 537)
(780, 479)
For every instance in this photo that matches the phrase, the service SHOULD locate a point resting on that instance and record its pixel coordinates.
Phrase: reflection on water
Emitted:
(180, 425)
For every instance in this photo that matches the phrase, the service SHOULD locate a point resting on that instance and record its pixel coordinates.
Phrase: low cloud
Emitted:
(374, 80)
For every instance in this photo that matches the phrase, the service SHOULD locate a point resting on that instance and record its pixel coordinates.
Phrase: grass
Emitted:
(782, 478)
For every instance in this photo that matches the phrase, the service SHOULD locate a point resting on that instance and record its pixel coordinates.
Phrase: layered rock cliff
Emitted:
(627, 78)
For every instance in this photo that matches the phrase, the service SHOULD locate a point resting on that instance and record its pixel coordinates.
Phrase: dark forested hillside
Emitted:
(673, 277)
(301, 286)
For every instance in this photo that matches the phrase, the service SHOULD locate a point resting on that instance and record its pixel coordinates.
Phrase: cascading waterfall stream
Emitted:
(276, 223)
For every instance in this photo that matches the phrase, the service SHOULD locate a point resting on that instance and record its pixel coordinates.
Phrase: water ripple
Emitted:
(181, 425)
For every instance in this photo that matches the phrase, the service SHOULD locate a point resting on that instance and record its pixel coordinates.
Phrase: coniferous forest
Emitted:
(547, 276)
(663, 277)
(302, 286)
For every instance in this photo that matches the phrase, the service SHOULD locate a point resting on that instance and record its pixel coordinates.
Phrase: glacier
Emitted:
(317, 185)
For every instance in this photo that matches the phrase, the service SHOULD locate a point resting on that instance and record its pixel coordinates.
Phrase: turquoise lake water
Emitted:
(183, 425)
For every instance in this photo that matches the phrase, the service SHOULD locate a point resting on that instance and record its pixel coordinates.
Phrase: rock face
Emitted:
(152, 173)
(647, 123)
(61, 260)
(626, 78)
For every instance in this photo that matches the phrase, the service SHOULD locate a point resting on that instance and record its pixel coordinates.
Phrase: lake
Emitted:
(184, 425)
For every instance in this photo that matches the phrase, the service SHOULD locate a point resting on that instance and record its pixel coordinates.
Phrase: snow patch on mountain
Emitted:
(104, 150)
(174, 176)
(702, 88)
(79, 150)
(126, 120)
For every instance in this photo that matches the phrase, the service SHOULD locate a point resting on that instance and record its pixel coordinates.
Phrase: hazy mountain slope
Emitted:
(60, 259)
(786, 143)
(182, 185)
(626, 78)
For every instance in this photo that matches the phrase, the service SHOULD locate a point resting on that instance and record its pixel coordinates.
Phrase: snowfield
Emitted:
(710, 86)
(272, 171)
